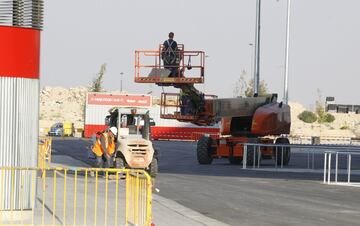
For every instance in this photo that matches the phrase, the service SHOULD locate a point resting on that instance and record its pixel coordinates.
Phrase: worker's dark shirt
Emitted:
(172, 42)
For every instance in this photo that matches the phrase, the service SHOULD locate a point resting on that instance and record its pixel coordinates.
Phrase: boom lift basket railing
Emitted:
(170, 108)
(149, 67)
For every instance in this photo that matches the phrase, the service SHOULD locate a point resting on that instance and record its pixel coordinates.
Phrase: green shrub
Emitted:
(307, 116)
(329, 118)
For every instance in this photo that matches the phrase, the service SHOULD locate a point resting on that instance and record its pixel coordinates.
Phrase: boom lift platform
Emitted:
(150, 69)
(258, 119)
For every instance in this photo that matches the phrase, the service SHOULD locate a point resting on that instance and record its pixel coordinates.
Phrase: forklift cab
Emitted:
(131, 122)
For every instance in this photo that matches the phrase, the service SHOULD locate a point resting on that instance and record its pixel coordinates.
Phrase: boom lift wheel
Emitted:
(251, 152)
(286, 151)
(204, 150)
(235, 160)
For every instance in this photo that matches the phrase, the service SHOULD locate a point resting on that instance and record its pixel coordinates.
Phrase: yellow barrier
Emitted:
(44, 154)
(75, 197)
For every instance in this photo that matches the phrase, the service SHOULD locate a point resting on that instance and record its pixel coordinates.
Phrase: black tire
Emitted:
(282, 151)
(235, 160)
(119, 163)
(203, 150)
(252, 154)
(153, 168)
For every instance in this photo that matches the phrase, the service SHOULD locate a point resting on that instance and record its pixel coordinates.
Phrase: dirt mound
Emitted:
(59, 104)
(345, 125)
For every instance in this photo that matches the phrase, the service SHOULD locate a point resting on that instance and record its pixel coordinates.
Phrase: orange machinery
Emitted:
(258, 119)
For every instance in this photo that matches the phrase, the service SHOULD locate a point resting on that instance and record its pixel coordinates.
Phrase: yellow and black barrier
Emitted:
(75, 197)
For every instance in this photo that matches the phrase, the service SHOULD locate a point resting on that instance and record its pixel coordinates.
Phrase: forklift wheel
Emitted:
(119, 163)
(153, 168)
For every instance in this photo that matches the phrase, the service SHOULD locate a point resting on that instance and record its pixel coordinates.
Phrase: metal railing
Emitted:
(149, 67)
(327, 167)
(310, 150)
(57, 196)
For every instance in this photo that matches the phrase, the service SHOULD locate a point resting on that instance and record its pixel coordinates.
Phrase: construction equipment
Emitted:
(135, 150)
(258, 119)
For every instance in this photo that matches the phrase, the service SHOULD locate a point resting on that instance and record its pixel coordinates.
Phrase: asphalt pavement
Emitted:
(210, 194)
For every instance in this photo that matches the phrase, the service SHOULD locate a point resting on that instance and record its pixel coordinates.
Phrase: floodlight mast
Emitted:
(257, 49)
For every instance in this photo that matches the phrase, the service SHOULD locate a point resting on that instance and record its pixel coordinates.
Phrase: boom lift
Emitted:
(258, 119)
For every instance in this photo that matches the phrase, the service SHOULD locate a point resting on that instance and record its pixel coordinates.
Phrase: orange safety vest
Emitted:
(109, 142)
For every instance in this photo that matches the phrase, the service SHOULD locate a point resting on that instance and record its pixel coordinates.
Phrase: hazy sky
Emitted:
(80, 35)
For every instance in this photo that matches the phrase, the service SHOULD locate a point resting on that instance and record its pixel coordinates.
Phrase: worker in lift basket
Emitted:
(186, 104)
(104, 148)
(171, 56)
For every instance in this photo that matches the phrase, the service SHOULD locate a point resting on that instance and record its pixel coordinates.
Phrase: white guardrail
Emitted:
(328, 150)
(327, 167)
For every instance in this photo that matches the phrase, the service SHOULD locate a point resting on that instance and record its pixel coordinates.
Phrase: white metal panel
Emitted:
(19, 111)
(95, 114)
(24, 13)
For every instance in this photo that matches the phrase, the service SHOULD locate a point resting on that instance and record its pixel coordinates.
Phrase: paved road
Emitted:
(244, 197)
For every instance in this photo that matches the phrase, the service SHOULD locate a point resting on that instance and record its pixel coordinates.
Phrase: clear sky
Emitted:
(80, 35)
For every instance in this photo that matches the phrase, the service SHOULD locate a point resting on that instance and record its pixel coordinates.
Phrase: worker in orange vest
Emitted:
(104, 148)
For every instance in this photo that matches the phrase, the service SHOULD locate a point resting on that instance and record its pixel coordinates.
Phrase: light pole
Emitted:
(286, 80)
(121, 81)
(257, 48)
(252, 59)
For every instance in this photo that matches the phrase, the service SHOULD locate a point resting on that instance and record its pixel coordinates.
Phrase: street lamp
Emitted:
(286, 81)
(257, 48)
(121, 81)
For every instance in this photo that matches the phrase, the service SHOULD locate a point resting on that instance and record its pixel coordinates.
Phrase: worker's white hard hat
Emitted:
(113, 130)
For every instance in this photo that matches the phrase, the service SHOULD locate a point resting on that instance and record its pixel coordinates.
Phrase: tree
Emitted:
(263, 90)
(96, 85)
(240, 85)
(320, 110)
(319, 107)
(243, 88)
